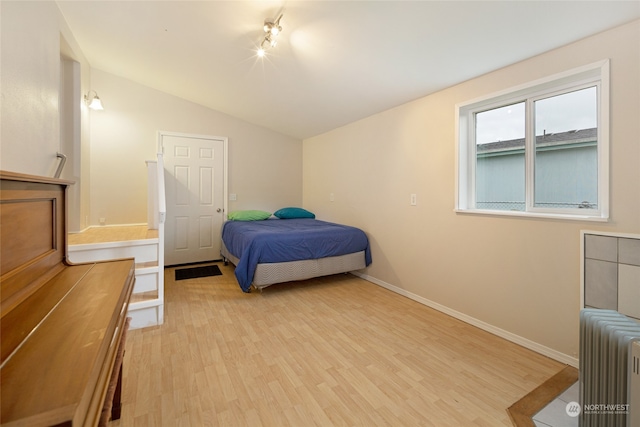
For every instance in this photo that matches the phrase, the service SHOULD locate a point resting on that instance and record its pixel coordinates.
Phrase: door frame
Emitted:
(225, 166)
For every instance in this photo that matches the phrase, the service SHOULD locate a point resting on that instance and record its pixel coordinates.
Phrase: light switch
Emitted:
(413, 200)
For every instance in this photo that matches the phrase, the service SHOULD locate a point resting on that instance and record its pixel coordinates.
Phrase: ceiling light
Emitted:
(272, 29)
(93, 101)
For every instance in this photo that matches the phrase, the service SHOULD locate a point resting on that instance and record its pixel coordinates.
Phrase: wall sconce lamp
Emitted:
(93, 101)
(272, 29)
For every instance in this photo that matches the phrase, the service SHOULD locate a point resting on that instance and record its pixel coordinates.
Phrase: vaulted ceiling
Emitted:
(335, 62)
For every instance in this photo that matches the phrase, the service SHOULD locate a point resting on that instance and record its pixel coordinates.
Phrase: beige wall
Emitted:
(265, 167)
(34, 37)
(30, 82)
(517, 277)
(107, 157)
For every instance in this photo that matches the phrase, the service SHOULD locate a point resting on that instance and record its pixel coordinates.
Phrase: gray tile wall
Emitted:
(612, 273)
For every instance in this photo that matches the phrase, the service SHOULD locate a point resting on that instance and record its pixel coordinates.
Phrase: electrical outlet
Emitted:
(331, 197)
(103, 221)
(413, 200)
(233, 197)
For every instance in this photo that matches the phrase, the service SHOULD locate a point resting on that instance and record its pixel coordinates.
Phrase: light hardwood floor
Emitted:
(335, 351)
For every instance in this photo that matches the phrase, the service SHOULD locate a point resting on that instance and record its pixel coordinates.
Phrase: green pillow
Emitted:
(290, 213)
(250, 215)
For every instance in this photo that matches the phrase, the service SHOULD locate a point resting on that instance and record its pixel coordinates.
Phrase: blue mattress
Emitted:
(283, 240)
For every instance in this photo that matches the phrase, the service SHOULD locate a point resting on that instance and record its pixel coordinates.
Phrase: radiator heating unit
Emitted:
(609, 369)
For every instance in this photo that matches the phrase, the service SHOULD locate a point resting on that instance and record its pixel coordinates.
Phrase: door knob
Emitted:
(218, 210)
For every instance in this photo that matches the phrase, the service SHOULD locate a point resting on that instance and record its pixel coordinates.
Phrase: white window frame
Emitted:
(596, 74)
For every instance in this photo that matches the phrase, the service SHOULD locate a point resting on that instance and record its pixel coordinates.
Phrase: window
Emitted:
(541, 149)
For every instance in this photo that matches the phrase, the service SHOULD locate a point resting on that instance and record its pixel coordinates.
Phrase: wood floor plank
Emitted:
(326, 352)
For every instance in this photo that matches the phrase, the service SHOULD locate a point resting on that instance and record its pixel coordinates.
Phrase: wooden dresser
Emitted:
(61, 324)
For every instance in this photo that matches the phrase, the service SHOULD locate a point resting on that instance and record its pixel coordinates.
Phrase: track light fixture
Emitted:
(272, 29)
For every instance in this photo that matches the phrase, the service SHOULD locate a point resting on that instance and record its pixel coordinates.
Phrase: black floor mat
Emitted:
(194, 272)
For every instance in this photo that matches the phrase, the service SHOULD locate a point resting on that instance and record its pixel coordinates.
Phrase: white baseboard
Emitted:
(108, 226)
(531, 345)
(134, 224)
(80, 231)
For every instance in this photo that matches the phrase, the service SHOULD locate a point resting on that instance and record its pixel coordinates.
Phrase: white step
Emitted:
(145, 250)
(146, 279)
(145, 313)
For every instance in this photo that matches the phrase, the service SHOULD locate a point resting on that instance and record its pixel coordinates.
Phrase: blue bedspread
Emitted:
(282, 240)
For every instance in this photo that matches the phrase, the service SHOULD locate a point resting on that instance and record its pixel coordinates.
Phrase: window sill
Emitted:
(538, 215)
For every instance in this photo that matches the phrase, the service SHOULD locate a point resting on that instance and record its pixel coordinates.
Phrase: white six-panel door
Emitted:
(195, 196)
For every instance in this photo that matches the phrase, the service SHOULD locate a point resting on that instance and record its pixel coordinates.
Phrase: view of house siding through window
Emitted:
(500, 161)
(565, 164)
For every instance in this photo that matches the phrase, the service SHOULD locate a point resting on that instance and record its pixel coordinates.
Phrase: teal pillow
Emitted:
(250, 215)
(290, 213)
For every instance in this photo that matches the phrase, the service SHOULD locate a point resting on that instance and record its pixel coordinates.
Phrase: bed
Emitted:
(281, 250)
